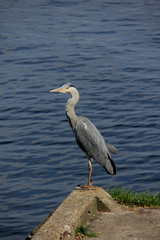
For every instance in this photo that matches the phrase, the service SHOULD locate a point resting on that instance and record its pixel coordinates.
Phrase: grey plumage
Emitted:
(92, 143)
(87, 135)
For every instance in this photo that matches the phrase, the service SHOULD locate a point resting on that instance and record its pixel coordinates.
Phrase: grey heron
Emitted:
(87, 135)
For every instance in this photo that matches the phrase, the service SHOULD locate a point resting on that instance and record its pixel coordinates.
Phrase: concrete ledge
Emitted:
(78, 208)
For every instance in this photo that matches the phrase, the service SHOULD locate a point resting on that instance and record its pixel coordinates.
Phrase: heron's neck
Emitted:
(71, 116)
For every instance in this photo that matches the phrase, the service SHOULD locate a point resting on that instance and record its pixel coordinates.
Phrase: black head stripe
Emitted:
(70, 85)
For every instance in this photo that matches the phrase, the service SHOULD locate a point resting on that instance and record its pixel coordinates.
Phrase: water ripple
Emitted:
(110, 51)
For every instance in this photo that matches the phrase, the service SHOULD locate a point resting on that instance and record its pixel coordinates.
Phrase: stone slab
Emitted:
(129, 224)
(78, 208)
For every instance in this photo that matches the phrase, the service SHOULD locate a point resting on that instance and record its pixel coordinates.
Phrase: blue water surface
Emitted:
(110, 50)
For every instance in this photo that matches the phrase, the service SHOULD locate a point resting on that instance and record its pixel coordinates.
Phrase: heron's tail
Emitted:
(110, 166)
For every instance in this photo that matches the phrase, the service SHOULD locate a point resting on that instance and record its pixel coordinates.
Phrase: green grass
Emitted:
(82, 232)
(133, 199)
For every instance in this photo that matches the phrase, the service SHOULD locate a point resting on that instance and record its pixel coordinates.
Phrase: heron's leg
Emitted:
(90, 172)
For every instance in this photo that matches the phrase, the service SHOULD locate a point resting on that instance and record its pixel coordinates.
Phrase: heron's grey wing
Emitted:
(111, 148)
(92, 143)
(87, 136)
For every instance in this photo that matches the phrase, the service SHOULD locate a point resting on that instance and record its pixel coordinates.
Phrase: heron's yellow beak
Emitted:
(56, 90)
(61, 89)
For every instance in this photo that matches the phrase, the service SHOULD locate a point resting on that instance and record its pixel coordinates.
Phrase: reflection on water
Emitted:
(110, 51)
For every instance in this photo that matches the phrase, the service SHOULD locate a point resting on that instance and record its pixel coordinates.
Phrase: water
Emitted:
(110, 50)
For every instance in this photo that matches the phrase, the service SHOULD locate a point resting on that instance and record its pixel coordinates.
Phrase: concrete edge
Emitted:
(77, 209)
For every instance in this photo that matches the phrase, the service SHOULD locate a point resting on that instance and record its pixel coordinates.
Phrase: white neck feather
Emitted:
(71, 116)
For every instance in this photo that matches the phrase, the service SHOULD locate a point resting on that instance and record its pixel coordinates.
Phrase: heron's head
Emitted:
(66, 88)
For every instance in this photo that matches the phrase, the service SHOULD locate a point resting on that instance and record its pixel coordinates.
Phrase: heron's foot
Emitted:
(89, 184)
(86, 187)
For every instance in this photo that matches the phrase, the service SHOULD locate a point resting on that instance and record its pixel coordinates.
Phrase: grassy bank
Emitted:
(130, 198)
